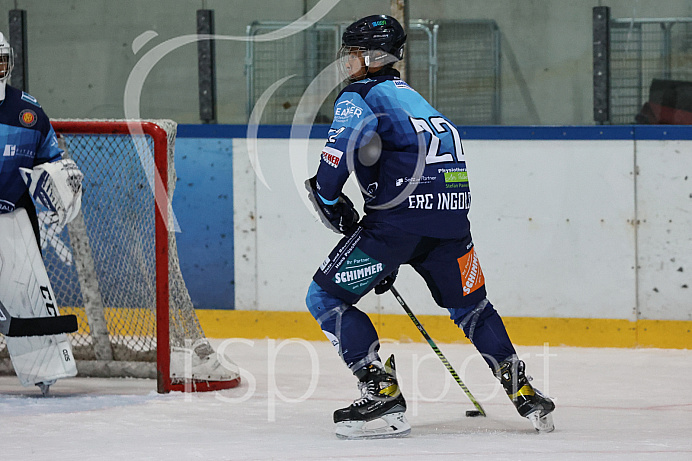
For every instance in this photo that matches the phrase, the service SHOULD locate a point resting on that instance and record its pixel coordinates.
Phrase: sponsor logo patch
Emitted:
(324, 264)
(346, 110)
(27, 117)
(331, 156)
(6, 207)
(422, 180)
(471, 273)
(357, 272)
(14, 151)
(454, 179)
(402, 85)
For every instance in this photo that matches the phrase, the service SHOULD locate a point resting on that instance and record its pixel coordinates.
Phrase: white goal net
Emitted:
(116, 265)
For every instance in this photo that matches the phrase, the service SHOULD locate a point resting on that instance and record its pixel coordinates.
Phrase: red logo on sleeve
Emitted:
(331, 156)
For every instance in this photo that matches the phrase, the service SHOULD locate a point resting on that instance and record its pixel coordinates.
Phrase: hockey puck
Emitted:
(472, 413)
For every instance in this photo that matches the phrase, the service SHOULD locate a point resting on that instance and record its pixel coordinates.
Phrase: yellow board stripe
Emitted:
(121, 321)
(526, 331)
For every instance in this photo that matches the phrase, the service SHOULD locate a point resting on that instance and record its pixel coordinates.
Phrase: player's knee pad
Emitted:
(323, 305)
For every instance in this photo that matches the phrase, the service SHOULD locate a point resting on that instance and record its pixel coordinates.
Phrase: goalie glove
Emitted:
(340, 216)
(58, 187)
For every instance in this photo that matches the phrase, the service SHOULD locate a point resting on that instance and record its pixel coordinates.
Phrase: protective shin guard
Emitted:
(484, 328)
(349, 329)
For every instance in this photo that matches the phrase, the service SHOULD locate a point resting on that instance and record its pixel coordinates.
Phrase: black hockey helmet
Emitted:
(376, 32)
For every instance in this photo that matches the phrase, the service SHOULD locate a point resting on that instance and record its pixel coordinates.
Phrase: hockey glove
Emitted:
(340, 217)
(58, 187)
(386, 283)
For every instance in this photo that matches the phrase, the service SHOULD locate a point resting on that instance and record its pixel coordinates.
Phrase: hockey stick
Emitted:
(35, 326)
(479, 409)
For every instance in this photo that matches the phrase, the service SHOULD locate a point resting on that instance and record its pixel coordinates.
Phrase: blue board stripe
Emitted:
(658, 132)
(600, 132)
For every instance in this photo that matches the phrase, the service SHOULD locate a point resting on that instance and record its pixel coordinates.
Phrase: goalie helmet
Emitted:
(6, 64)
(377, 39)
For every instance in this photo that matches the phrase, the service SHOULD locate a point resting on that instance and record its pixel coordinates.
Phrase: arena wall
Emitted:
(582, 232)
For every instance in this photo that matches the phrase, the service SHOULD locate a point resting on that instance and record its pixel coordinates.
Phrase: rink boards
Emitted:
(582, 233)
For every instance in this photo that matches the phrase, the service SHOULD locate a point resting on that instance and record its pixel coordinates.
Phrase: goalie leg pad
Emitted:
(26, 292)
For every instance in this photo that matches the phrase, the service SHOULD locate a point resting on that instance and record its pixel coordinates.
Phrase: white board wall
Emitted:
(553, 222)
(664, 208)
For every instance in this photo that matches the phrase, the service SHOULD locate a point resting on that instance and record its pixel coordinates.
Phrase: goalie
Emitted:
(31, 167)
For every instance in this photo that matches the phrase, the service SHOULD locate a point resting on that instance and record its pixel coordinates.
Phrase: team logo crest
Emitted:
(27, 118)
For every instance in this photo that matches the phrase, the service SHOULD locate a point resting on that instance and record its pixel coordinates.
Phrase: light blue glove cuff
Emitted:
(328, 202)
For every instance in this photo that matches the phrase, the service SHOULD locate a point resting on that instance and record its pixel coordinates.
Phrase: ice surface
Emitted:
(612, 404)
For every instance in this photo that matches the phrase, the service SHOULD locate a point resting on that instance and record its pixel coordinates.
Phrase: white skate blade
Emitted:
(542, 423)
(387, 426)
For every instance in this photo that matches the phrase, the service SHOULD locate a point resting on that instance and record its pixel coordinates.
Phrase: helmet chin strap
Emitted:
(2, 89)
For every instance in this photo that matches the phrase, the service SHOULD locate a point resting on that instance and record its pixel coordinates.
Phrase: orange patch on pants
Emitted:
(471, 273)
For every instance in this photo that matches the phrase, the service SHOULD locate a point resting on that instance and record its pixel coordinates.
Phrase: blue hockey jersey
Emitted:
(27, 139)
(406, 155)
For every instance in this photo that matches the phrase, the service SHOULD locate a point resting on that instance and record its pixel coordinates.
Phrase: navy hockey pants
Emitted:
(363, 258)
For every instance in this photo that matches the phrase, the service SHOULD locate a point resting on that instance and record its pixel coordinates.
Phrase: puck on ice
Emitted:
(471, 413)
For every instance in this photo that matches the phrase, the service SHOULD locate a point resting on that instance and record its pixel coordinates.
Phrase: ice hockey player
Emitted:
(31, 167)
(410, 165)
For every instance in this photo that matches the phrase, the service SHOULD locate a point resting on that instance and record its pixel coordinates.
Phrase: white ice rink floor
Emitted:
(612, 404)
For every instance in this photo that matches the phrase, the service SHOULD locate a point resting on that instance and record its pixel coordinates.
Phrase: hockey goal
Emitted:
(116, 265)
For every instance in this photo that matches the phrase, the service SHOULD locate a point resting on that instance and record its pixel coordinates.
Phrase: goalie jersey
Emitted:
(406, 155)
(27, 139)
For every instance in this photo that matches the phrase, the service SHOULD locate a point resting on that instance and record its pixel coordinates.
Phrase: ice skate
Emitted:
(379, 412)
(45, 386)
(530, 402)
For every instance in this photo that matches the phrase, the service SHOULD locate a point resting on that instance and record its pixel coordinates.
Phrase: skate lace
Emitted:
(367, 393)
